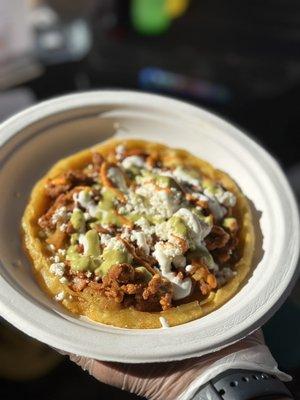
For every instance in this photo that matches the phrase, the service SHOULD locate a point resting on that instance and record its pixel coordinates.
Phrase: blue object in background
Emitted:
(157, 79)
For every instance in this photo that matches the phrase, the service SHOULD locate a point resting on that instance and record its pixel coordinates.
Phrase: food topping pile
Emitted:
(139, 232)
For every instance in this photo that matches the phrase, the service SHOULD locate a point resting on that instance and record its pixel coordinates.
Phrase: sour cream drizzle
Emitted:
(181, 288)
(198, 228)
(164, 323)
(83, 198)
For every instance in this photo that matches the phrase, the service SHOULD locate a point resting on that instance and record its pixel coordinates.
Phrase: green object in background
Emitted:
(150, 17)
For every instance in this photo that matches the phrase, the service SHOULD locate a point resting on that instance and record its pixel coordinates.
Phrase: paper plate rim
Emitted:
(35, 324)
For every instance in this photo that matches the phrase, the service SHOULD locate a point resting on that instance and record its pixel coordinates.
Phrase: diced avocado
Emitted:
(161, 180)
(164, 181)
(109, 218)
(178, 226)
(77, 220)
(198, 213)
(93, 225)
(209, 185)
(78, 261)
(108, 198)
(91, 259)
(209, 220)
(154, 219)
(134, 170)
(133, 217)
(74, 238)
(146, 173)
(93, 243)
(204, 255)
(230, 223)
(107, 214)
(144, 274)
(112, 257)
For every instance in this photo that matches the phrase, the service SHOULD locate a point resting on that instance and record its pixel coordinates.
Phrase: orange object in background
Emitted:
(175, 8)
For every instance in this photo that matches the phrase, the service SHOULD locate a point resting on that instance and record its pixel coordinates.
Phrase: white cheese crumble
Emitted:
(183, 176)
(133, 161)
(217, 210)
(164, 323)
(104, 238)
(63, 227)
(116, 244)
(141, 241)
(126, 233)
(159, 201)
(57, 268)
(163, 231)
(217, 199)
(60, 296)
(134, 204)
(84, 199)
(165, 204)
(228, 199)
(144, 224)
(59, 214)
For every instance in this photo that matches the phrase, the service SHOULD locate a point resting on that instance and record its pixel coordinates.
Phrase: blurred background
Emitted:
(240, 59)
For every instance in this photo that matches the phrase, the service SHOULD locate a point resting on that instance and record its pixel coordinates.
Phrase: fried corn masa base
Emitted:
(96, 306)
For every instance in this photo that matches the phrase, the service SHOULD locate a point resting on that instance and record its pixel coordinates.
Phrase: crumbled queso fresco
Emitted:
(136, 230)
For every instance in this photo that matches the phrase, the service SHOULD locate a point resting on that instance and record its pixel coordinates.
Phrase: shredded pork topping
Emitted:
(137, 231)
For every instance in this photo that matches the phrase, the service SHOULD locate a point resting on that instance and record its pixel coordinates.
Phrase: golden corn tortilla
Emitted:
(101, 309)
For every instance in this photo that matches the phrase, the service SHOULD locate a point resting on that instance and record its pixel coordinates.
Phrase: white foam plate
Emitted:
(34, 139)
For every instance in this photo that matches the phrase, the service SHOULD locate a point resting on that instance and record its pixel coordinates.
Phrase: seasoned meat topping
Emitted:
(137, 229)
(217, 238)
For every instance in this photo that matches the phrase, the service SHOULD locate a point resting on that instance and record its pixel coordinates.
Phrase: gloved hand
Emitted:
(181, 379)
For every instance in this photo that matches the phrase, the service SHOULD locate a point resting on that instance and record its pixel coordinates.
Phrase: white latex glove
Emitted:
(181, 379)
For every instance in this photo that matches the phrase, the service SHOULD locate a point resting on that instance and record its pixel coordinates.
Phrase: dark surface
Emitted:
(251, 49)
(67, 381)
